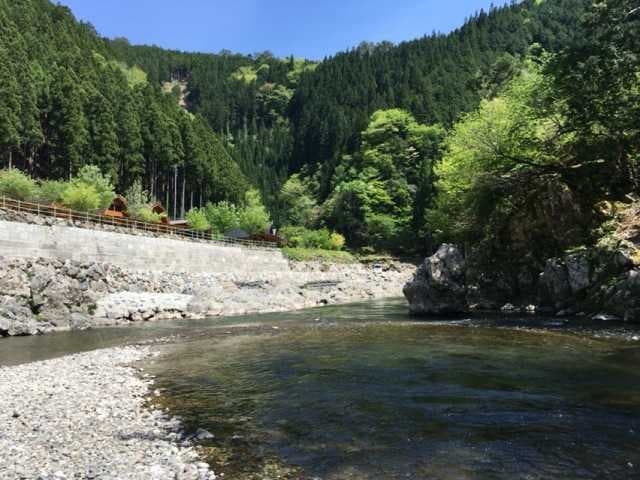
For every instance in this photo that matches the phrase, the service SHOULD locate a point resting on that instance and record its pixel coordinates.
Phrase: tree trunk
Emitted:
(184, 181)
(175, 191)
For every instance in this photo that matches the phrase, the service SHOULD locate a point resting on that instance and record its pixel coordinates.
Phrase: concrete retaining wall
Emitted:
(134, 252)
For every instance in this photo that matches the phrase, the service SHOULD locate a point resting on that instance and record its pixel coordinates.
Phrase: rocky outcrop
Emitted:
(438, 287)
(601, 283)
(44, 295)
(565, 280)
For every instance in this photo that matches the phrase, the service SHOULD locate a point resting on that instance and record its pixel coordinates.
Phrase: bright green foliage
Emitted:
(145, 214)
(346, 125)
(91, 175)
(135, 75)
(297, 203)
(487, 148)
(336, 241)
(223, 216)
(51, 191)
(16, 185)
(197, 220)
(322, 239)
(245, 74)
(82, 197)
(298, 67)
(382, 191)
(254, 217)
(139, 202)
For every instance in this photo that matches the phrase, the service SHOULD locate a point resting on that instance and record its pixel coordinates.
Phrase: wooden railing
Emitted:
(127, 223)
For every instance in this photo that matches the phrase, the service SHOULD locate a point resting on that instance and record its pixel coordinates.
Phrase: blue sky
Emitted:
(304, 28)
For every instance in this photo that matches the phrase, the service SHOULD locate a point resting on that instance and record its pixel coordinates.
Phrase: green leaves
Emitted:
(384, 188)
(91, 176)
(16, 185)
(254, 217)
(197, 220)
(223, 216)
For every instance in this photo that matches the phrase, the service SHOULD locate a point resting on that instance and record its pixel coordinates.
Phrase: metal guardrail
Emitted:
(55, 211)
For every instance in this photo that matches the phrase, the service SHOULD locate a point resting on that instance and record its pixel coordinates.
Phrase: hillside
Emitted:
(376, 144)
(67, 101)
(287, 114)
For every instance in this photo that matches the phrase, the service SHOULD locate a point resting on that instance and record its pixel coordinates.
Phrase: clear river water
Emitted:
(365, 392)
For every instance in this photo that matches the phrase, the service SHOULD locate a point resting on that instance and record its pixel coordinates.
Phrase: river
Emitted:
(362, 391)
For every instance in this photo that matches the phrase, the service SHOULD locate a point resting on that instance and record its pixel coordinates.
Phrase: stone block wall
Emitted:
(23, 240)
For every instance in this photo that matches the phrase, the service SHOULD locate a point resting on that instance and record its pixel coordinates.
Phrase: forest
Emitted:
(506, 134)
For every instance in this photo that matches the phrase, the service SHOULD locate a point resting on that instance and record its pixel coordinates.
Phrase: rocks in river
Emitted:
(510, 308)
(17, 319)
(42, 295)
(438, 287)
(203, 435)
(604, 317)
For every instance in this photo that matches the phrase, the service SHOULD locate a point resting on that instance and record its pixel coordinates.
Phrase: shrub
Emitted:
(197, 220)
(17, 185)
(51, 191)
(318, 239)
(82, 197)
(300, 237)
(293, 235)
(223, 216)
(336, 241)
(92, 176)
(139, 203)
(145, 214)
(254, 218)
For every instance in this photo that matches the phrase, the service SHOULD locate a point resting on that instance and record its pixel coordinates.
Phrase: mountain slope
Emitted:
(287, 115)
(67, 101)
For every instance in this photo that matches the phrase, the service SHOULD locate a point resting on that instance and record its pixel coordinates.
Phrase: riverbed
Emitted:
(363, 391)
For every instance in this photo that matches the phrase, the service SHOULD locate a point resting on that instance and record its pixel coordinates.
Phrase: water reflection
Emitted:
(360, 392)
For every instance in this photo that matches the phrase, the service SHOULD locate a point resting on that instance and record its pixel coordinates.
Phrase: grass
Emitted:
(316, 255)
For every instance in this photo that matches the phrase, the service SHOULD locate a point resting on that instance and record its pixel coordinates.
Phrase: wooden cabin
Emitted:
(118, 208)
(160, 210)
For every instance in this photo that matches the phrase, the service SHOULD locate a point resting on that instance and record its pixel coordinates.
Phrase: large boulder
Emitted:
(578, 272)
(438, 286)
(16, 319)
(556, 288)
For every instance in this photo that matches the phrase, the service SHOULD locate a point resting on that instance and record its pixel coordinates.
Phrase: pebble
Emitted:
(84, 417)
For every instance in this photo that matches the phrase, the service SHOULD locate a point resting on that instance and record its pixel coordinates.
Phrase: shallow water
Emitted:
(363, 391)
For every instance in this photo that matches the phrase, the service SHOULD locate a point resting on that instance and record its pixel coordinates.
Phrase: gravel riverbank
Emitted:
(85, 417)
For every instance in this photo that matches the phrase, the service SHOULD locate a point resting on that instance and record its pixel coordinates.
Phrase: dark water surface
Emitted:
(361, 392)
(364, 392)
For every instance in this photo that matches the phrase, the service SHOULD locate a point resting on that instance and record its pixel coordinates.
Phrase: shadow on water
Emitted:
(364, 391)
